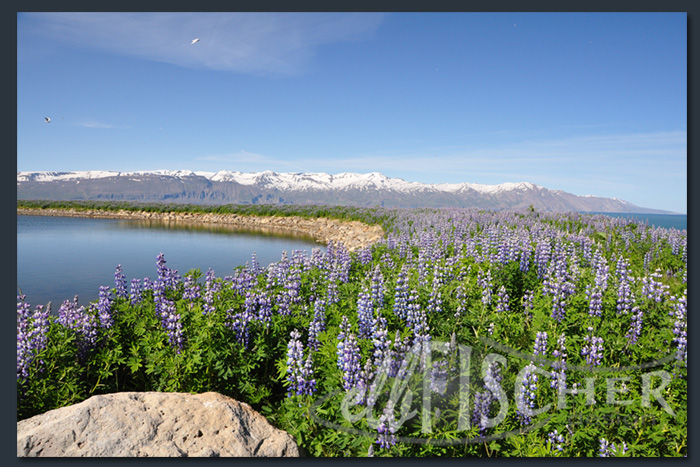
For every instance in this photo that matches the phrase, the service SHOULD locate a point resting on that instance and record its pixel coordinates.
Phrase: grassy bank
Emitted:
(370, 216)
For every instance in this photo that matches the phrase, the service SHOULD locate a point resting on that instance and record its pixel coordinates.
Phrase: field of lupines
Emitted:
(463, 333)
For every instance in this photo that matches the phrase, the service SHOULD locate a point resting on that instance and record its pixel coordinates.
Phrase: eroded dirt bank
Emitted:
(352, 234)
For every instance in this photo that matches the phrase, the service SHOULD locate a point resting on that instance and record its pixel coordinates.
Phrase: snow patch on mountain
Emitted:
(289, 181)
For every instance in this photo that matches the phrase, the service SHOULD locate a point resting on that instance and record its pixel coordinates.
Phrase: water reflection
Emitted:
(227, 229)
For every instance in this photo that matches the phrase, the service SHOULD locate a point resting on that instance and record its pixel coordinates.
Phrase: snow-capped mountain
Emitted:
(353, 189)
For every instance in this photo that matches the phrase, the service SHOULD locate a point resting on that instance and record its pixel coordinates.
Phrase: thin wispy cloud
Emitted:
(260, 43)
(582, 155)
(598, 165)
(99, 125)
(247, 161)
(586, 160)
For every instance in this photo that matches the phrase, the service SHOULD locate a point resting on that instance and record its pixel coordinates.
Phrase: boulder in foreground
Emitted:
(153, 424)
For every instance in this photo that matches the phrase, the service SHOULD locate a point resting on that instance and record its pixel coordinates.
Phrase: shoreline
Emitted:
(353, 234)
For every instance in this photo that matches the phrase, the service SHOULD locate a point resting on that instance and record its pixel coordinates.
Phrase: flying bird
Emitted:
(194, 41)
(47, 119)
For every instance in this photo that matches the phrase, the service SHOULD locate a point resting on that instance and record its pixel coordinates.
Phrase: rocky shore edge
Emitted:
(353, 234)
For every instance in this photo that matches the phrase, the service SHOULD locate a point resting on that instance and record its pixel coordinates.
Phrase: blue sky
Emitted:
(588, 103)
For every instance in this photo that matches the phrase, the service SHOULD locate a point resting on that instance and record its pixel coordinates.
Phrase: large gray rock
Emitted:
(153, 424)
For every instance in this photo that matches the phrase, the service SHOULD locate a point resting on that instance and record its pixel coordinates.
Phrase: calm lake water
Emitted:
(60, 257)
(676, 221)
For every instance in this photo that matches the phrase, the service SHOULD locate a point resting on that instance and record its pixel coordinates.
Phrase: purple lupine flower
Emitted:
(525, 256)
(241, 282)
(680, 328)
(541, 343)
(350, 363)
(295, 364)
(652, 289)
(191, 290)
(484, 281)
(342, 336)
(135, 294)
(398, 353)
(380, 341)
(292, 287)
(527, 304)
(422, 266)
(625, 297)
(365, 314)
(169, 277)
(558, 374)
(238, 322)
(365, 256)
(483, 399)
(377, 287)
(158, 289)
(416, 319)
(648, 256)
(120, 282)
(332, 288)
(308, 382)
(84, 324)
(607, 449)
(593, 350)
(438, 376)
(635, 326)
(31, 336)
(434, 300)
(502, 300)
(104, 308)
(555, 441)
(401, 293)
(595, 300)
(342, 263)
(147, 283)
(622, 268)
(491, 328)
(210, 282)
(170, 321)
(558, 283)
(365, 381)
(255, 268)
(482, 404)
(277, 272)
(376, 383)
(264, 305)
(461, 296)
(284, 303)
(160, 266)
(318, 325)
(542, 255)
(601, 271)
(211, 289)
(527, 393)
(387, 261)
(317, 259)
(387, 427)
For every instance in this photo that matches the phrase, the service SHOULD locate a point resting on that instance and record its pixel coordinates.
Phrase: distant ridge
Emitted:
(351, 189)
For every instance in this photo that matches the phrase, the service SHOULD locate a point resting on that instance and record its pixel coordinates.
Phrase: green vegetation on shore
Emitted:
(366, 215)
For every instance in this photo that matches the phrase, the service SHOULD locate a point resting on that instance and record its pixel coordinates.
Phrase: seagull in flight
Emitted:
(194, 41)
(47, 119)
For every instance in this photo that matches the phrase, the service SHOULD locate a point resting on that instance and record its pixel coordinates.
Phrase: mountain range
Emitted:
(351, 189)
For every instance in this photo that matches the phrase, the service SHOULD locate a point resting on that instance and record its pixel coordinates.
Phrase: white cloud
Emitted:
(94, 124)
(261, 43)
(612, 159)
(244, 161)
